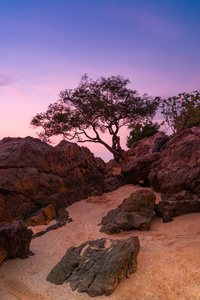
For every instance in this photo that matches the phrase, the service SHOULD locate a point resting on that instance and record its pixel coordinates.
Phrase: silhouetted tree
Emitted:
(140, 131)
(104, 105)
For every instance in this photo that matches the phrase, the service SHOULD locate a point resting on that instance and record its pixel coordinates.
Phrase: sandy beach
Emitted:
(168, 262)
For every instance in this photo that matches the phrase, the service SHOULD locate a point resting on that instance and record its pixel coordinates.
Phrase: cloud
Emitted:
(5, 80)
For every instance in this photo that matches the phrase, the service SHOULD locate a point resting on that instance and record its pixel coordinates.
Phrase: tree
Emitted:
(140, 131)
(182, 111)
(104, 105)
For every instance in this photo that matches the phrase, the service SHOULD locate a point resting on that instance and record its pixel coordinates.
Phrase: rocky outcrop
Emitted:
(135, 212)
(179, 166)
(177, 204)
(142, 157)
(96, 267)
(34, 174)
(15, 240)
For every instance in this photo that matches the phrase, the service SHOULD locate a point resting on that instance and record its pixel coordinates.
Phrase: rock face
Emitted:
(142, 157)
(34, 174)
(135, 212)
(96, 267)
(179, 167)
(15, 240)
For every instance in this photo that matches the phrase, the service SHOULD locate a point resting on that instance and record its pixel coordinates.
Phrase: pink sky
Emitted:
(47, 48)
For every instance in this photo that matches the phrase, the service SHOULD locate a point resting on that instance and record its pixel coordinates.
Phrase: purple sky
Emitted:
(47, 45)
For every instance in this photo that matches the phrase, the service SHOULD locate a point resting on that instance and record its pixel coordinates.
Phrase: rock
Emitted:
(34, 174)
(135, 212)
(42, 217)
(179, 166)
(176, 205)
(15, 240)
(61, 221)
(111, 165)
(142, 157)
(139, 168)
(96, 267)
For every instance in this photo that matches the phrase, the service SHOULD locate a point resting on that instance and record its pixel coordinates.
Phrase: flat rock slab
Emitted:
(135, 212)
(96, 267)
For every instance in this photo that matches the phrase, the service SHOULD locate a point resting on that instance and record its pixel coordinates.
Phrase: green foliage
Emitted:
(182, 111)
(140, 131)
(104, 105)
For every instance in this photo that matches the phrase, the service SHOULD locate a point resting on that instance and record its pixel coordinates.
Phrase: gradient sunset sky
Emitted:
(47, 45)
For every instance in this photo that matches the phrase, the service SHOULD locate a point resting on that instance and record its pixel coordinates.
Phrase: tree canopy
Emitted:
(95, 107)
(182, 111)
(140, 131)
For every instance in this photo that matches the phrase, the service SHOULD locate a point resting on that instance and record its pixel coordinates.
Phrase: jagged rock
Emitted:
(111, 165)
(15, 240)
(179, 167)
(96, 267)
(34, 174)
(61, 221)
(176, 205)
(42, 217)
(139, 168)
(135, 212)
(142, 157)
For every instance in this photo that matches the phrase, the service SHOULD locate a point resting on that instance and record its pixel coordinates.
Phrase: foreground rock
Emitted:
(15, 240)
(142, 157)
(135, 212)
(179, 166)
(34, 174)
(96, 267)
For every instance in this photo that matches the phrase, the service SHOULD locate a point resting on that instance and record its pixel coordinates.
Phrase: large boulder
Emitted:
(179, 166)
(15, 240)
(142, 157)
(96, 267)
(135, 212)
(34, 174)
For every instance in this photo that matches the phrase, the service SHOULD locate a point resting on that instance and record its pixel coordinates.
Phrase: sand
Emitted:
(168, 262)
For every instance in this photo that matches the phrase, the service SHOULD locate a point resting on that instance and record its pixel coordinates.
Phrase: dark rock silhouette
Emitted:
(96, 267)
(34, 174)
(135, 212)
(15, 240)
(142, 157)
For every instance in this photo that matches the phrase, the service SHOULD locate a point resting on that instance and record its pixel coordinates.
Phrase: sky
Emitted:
(47, 45)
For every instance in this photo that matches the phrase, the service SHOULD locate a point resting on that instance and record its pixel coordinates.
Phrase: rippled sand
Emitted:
(168, 263)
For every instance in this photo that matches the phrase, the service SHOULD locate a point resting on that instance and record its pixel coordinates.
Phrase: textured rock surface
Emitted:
(179, 167)
(15, 240)
(62, 220)
(176, 205)
(142, 157)
(34, 174)
(135, 212)
(96, 267)
(42, 216)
